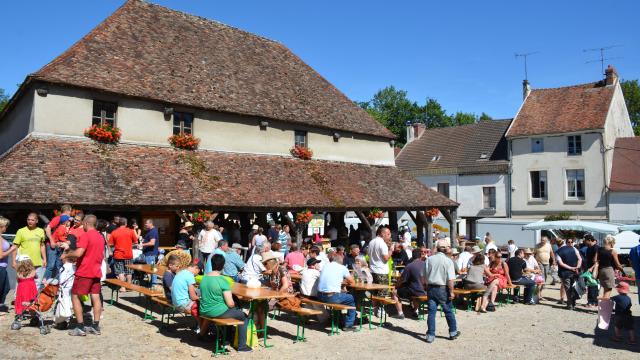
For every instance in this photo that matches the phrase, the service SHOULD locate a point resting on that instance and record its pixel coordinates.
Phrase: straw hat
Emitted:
(187, 224)
(455, 251)
(528, 251)
(269, 256)
(476, 249)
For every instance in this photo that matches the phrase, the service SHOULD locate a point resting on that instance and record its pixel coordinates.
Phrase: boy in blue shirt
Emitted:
(183, 291)
(623, 320)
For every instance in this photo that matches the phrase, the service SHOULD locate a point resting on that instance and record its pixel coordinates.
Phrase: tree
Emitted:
(434, 115)
(484, 116)
(462, 118)
(393, 109)
(631, 92)
(4, 99)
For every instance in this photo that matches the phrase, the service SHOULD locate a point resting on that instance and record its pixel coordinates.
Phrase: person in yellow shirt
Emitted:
(30, 241)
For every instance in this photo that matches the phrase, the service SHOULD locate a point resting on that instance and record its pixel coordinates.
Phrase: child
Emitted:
(26, 290)
(64, 310)
(173, 265)
(623, 320)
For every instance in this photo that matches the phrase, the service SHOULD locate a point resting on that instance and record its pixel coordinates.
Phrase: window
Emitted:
(489, 197)
(435, 158)
(104, 113)
(182, 123)
(443, 188)
(574, 145)
(301, 138)
(575, 184)
(538, 185)
(537, 145)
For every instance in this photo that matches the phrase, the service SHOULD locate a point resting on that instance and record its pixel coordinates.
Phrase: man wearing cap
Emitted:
(440, 274)
(475, 251)
(233, 263)
(623, 318)
(330, 288)
(309, 280)
(53, 253)
(54, 250)
(569, 264)
(149, 246)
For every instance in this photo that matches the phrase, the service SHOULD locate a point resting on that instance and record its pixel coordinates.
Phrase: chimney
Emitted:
(610, 75)
(418, 130)
(526, 89)
(410, 132)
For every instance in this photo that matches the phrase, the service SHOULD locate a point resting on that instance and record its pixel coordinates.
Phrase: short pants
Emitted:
(381, 279)
(85, 286)
(120, 266)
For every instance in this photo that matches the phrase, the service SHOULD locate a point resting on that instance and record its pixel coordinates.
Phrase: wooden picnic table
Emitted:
(258, 297)
(146, 268)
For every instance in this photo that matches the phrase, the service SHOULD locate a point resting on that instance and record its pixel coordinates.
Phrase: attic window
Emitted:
(435, 158)
(104, 113)
(483, 156)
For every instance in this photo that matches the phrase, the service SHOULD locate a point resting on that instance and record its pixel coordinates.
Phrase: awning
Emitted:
(53, 170)
(634, 227)
(588, 226)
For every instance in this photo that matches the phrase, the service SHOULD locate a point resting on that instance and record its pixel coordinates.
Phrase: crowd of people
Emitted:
(80, 251)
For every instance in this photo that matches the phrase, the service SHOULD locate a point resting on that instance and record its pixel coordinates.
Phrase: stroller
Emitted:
(38, 307)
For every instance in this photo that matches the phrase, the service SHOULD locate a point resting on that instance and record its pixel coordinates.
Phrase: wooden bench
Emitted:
(334, 309)
(422, 301)
(116, 284)
(221, 334)
(302, 314)
(470, 296)
(165, 303)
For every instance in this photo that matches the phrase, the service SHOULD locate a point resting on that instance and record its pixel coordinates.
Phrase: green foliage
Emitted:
(4, 99)
(393, 109)
(485, 116)
(565, 215)
(631, 91)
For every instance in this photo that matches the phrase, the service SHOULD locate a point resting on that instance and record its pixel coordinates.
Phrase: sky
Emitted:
(460, 53)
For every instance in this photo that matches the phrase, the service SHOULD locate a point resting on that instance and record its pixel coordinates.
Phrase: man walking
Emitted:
(544, 255)
(589, 256)
(90, 254)
(440, 274)
(569, 262)
(30, 241)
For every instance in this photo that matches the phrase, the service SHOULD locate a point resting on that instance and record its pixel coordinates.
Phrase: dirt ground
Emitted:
(513, 331)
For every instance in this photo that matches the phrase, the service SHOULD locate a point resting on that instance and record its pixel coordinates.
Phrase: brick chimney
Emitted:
(526, 89)
(418, 130)
(610, 75)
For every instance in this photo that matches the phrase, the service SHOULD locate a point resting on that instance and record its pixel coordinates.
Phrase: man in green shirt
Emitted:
(216, 301)
(30, 241)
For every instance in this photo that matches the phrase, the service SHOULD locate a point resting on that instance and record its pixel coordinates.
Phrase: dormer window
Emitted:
(537, 145)
(483, 156)
(182, 123)
(574, 145)
(301, 138)
(104, 113)
(435, 158)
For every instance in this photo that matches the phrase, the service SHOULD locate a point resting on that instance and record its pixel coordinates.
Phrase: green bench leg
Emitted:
(117, 296)
(335, 322)
(220, 347)
(300, 329)
(421, 311)
(148, 310)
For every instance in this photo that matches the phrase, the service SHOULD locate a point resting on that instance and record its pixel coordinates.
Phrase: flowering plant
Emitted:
(201, 216)
(304, 217)
(184, 141)
(433, 212)
(440, 228)
(375, 213)
(73, 212)
(301, 152)
(103, 133)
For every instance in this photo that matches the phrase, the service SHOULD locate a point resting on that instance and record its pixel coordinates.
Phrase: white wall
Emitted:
(467, 190)
(624, 207)
(555, 161)
(618, 124)
(17, 124)
(67, 111)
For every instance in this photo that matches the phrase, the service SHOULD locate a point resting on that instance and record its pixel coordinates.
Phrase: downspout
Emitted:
(509, 187)
(603, 151)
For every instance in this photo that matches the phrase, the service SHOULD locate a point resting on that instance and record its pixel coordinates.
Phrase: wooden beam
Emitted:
(364, 222)
(413, 218)
(419, 220)
(429, 232)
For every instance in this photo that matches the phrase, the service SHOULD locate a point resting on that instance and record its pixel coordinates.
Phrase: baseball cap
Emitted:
(255, 227)
(312, 262)
(64, 218)
(238, 246)
(23, 258)
(623, 287)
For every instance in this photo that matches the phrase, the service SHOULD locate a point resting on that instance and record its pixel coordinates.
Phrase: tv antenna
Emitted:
(525, 55)
(602, 58)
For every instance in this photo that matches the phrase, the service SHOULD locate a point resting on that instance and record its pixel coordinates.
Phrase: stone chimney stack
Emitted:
(610, 75)
(409, 128)
(526, 89)
(418, 130)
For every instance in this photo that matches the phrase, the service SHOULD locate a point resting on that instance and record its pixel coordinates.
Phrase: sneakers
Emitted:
(379, 312)
(77, 332)
(454, 336)
(94, 329)
(245, 349)
(350, 329)
(398, 316)
(430, 338)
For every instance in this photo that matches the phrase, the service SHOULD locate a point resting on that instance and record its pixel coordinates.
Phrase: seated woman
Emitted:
(216, 301)
(278, 279)
(475, 279)
(497, 279)
(361, 270)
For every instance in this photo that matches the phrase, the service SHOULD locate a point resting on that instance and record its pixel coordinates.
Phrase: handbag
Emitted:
(290, 303)
(252, 336)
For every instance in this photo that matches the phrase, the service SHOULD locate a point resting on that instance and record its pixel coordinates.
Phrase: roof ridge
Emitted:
(593, 83)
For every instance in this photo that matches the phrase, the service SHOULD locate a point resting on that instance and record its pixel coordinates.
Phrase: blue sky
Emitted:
(458, 52)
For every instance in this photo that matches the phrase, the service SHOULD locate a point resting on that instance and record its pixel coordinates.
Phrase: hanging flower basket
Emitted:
(184, 141)
(433, 212)
(375, 213)
(304, 217)
(201, 216)
(301, 152)
(105, 134)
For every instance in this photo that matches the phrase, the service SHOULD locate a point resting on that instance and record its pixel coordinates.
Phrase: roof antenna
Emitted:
(525, 55)
(602, 58)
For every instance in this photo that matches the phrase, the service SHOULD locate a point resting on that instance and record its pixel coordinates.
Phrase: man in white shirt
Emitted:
(512, 248)
(317, 253)
(254, 267)
(379, 254)
(465, 256)
(490, 244)
(309, 280)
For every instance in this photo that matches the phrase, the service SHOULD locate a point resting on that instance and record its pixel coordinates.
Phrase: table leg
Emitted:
(251, 323)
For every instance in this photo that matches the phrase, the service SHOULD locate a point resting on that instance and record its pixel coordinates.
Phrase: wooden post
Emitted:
(393, 224)
(420, 222)
(451, 216)
(245, 228)
(364, 223)
(429, 232)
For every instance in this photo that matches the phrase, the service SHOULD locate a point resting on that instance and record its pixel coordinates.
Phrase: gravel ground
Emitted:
(514, 331)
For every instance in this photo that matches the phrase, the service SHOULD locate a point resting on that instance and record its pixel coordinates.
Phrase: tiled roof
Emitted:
(148, 51)
(53, 170)
(475, 148)
(625, 172)
(561, 110)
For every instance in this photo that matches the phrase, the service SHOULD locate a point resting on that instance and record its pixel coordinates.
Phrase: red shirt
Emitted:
(53, 225)
(77, 231)
(122, 240)
(60, 234)
(90, 263)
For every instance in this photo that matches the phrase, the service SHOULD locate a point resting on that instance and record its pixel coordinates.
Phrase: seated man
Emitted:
(254, 268)
(173, 263)
(330, 288)
(216, 301)
(233, 263)
(183, 291)
(294, 259)
(350, 259)
(309, 280)
(412, 282)
(516, 266)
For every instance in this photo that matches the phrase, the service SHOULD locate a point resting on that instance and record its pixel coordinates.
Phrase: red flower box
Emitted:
(184, 141)
(301, 152)
(375, 213)
(103, 133)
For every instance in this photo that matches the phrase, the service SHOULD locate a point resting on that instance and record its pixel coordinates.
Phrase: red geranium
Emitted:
(184, 141)
(304, 217)
(301, 152)
(103, 133)
(201, 216)
(433, 212)
(375, 213)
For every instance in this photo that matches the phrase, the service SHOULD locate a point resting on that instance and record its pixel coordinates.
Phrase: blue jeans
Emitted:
(439, 296)
(53, 262)
(151, 259)
(344, 299)
(529, 285)
(592, 295)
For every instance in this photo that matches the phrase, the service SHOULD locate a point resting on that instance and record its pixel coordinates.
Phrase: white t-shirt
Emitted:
(512, 250)
(490, 246)
(309, 282)
(208, 240)
(253, 269)
(378, 249)
(406, 238)
(324, 260)
(531, 262)
(463, 259)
